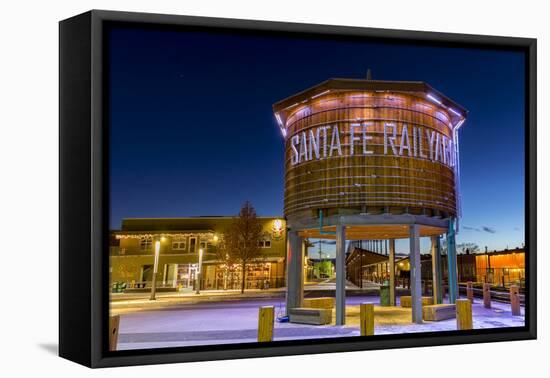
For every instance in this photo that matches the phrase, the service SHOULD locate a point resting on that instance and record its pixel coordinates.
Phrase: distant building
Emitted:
(132, 254)
(500, 268)
(320, 268)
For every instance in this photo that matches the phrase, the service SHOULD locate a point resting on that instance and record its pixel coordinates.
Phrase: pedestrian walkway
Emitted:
(223, 322)
(328, 284)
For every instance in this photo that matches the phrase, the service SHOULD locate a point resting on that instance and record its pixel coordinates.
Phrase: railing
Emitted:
(206, 284)
(497, 294)
(503, 277)
(142, 284)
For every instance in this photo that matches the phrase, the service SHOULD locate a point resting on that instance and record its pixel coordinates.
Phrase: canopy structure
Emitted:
(372, 232)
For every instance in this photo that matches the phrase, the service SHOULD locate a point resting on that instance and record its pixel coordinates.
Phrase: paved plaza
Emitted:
(217, 320)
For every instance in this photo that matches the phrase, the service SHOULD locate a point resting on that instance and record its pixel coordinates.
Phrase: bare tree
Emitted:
(308, 244)
(226, 256)
(468, 247)
(242, 239)
(127, 269)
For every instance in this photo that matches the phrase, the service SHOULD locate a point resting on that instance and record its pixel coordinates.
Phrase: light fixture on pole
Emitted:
(198, 274)
(155, 269)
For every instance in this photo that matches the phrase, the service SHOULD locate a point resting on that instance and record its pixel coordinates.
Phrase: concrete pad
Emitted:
(316, 316)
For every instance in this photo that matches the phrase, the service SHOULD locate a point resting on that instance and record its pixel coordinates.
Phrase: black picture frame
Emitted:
(84, 201)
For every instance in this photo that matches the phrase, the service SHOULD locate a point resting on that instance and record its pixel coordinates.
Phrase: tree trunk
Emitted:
(225, 274)
(243, 277)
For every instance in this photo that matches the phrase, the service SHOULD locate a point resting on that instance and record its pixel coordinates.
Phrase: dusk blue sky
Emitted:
(192, 130)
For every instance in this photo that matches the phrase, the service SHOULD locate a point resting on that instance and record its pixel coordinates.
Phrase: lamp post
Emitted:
(198, 274)
(155, 269)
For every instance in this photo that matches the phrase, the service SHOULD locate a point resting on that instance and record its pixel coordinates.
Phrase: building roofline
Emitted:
(190, 231)
(501, 252)
(201, 217)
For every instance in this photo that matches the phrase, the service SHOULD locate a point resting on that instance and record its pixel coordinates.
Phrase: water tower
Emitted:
(370, 160)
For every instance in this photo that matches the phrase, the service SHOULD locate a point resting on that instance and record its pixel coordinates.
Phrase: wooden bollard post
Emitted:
(487, 295)
(463, 314)
(470, 291)
(514, 300)
(266, 317)
(114, 322)
(366, 312)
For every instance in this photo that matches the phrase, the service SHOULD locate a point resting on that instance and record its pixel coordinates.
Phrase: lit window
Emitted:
(145, 243)
(265, 243)
(179, 243)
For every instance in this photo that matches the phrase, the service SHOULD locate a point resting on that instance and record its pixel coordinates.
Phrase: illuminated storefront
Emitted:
(501, 268)
(181, 242)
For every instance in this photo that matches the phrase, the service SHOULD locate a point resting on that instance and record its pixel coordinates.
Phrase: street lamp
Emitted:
(198, 274)
(155, 269)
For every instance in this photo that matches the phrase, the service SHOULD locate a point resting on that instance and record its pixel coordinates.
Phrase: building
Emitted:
(499, 268)
(370, 160)
(319, 269)
(181, 240)
(363, 264)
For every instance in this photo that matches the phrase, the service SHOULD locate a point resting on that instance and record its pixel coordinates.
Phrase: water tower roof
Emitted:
(284, 107)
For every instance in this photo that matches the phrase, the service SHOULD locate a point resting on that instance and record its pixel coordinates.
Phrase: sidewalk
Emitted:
(142, 301)
(186, 294)
(191, 293)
